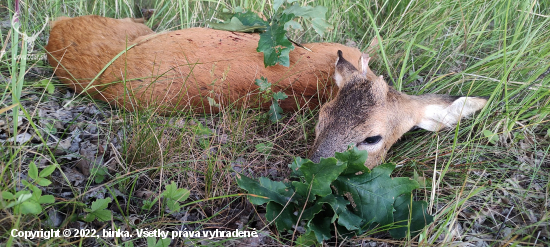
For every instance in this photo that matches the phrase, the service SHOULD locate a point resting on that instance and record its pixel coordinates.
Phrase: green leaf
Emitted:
(170, 189)
(234, 25)
(263, 84)
(36, 193)
(307, 239)
(239, 9)
(147, 205)
(46, 199)
(164, 242)
(276, 186)
(310, 212)
(284, 219)
(294, 25)
(493, 138)
(33, 170)
(50, 88)
(277, 4)
(181, 195)
(90, 217)
(202, 130)
(306, 11)
(43, 182)
(321, 227)
(296, 164)
(103, 214)
(99, 173)
(212, 102)
(355, 160)
(251, 19)
(320, 176)
(21, 197)
(30, 207)
(264, 148)
(321, 26)
(100, 204)
(372, 194)
(304, 190)
(246, 22)
(280, 95)
(11, 204)
(174, 206)
(151, 242)
(175, 195)
(7, 195)
(316, 14)
(275, 112)
(27, 184)
(265, 190)
(274, 43)
(47, 171)
(418, 216)
(345, 217)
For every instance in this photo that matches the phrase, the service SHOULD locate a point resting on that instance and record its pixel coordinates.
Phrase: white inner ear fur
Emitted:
(437, 117)
(364, 63)
(338, 79)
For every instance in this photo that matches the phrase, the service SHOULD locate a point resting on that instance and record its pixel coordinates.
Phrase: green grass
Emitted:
(498, 49)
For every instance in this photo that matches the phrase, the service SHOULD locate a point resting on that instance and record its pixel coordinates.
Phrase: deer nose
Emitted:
(322, 151)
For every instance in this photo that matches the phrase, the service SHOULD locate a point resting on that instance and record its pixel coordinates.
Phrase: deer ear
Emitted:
(364, 63)
(379, 88)
(338, 77)
(343, 70)
(441, 111)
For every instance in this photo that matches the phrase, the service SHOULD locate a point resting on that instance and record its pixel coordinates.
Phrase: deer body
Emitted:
(182, 69)
(371, 115)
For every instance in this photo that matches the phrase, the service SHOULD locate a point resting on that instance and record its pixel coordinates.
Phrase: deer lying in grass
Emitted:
(371, 115)
(182, 69)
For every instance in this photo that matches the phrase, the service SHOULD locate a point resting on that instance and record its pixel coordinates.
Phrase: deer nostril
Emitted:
(371, 140)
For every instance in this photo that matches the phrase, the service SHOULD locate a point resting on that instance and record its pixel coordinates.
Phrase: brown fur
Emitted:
(366, 107)
(182, 68)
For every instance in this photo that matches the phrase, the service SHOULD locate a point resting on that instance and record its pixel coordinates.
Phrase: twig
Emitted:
(505, 219)
(297, 44)
(536, 239)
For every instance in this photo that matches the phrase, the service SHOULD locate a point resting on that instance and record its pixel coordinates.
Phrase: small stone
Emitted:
(237, 164)
(21, 138)
(92, 129)
(223, 138)
(55, 218)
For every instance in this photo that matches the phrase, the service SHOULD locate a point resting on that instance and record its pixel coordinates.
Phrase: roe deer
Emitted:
(183, 68)
(371, 115)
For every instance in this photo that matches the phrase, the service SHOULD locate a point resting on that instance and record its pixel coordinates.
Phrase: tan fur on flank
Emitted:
(181, 69)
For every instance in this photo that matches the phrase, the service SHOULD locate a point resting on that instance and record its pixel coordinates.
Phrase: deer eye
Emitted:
(371, 140)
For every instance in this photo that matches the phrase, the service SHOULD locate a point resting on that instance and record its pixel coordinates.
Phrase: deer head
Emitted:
(371, 115)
